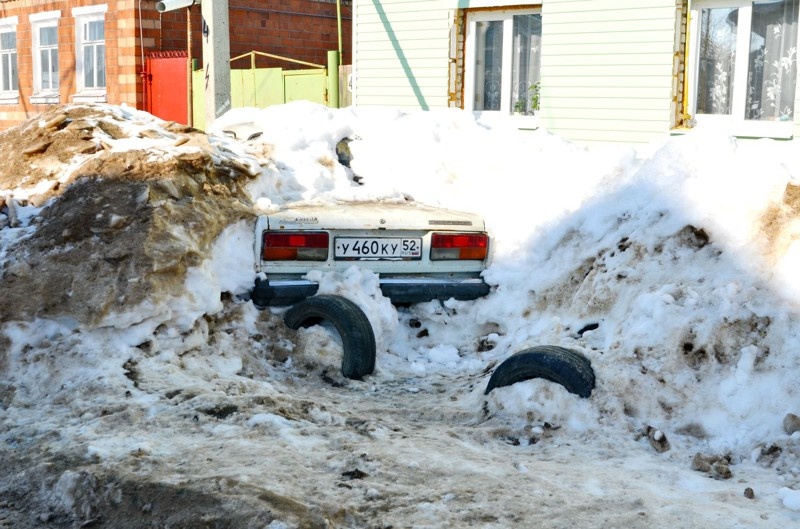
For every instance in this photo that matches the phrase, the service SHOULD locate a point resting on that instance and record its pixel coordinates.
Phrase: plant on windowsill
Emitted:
(529, 106)
(535, 94)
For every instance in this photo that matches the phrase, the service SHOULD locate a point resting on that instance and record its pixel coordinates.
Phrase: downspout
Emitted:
(143, 71)
(338, 102)
(339, 26)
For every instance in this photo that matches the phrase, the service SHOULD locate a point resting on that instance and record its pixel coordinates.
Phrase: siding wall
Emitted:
(607, 68)
(607, 65)
(402, 47)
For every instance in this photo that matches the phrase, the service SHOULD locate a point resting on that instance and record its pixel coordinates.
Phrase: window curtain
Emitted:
(773, 61)
(526, 61)
(717, 57)
(489, 70)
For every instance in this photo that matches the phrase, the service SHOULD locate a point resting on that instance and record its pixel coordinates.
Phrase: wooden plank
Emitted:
(665, 36)
(608, 103)
(616, 116)
(633, 58)
(552, 7)
(608, 70)
(622, 93)
(367, 7)
(399, 99)
(552, 51)
(607, 17)
(402, 26)
(417, 40)
(390, 83)
(417, 54)
(606, 81)
(603, 125)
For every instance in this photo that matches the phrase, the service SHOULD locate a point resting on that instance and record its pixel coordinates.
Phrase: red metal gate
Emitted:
(166, 85)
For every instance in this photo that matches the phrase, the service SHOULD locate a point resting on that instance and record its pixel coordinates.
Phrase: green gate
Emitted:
(262, 87)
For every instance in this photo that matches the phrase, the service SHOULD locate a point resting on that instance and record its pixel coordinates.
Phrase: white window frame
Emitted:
(735, 123)
(84, 15)
(38, 21)
(9, 97)
(470, 47)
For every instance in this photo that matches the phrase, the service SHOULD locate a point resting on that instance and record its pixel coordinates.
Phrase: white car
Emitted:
(420, 253)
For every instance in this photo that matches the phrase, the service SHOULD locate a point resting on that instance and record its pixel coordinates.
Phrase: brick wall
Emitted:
(121, 64)
(300, 29)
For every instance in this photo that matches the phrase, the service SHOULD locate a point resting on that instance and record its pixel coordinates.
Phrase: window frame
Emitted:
(470, 49)
(735, 121)
(83, 16)
(40, 21)
(9, 97)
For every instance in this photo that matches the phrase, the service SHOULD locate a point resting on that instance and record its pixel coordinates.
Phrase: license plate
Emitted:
(377, 248)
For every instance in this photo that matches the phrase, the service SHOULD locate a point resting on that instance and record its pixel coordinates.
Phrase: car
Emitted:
(419, 252)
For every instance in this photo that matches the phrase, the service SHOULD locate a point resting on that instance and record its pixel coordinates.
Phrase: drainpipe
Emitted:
(142, 72)
(339, 25)
(335, 101)
(333, 79)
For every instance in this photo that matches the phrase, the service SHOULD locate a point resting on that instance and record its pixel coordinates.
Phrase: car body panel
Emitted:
(404, 279)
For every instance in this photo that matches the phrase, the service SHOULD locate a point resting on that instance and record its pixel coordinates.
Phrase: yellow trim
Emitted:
(685, 116)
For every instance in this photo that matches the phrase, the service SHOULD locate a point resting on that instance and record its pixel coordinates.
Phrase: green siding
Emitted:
(607, 65)
(402, 49)
(607, 68)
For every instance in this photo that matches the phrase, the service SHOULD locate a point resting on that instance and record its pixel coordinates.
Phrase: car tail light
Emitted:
(459, 246)
(294, 246)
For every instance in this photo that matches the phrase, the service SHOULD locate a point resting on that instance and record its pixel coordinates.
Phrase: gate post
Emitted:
(333, 79)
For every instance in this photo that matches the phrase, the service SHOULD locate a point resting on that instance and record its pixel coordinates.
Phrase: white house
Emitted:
(623, 71)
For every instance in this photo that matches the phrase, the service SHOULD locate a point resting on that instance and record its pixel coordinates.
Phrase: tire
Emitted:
(358, 339)
(563, 366)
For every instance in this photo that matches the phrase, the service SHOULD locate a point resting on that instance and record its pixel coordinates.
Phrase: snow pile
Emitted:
(672, 268)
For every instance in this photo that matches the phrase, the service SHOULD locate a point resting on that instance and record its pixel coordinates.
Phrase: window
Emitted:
(9, 74)
(48, 57)
(745, 60)
(90, 49)
(44, 28)
(503, 61)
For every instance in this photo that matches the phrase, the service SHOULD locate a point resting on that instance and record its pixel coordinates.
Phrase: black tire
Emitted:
(563, 366)
(358, 339)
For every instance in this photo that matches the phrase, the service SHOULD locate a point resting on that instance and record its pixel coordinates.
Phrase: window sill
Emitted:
(524, 121)
(8, 100)
(519, 121)
(50, 99)
(89, 97)
(778, 130)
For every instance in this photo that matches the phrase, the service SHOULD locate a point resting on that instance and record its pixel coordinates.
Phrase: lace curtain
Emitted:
(773, 61)
(489, 67)
(526, 62)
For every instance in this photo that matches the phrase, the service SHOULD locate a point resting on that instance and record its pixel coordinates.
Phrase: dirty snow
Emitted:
(672, 267)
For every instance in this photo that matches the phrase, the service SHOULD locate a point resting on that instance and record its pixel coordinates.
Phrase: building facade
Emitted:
(625, 71)
(60, 51)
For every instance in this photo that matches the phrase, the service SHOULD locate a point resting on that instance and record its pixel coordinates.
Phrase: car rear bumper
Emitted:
(399, 290)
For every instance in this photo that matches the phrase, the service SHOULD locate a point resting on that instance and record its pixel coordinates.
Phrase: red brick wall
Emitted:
(301, 29)
(121, 64)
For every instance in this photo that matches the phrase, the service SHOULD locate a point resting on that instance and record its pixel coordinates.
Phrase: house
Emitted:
(60, 51)
(625, 71)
